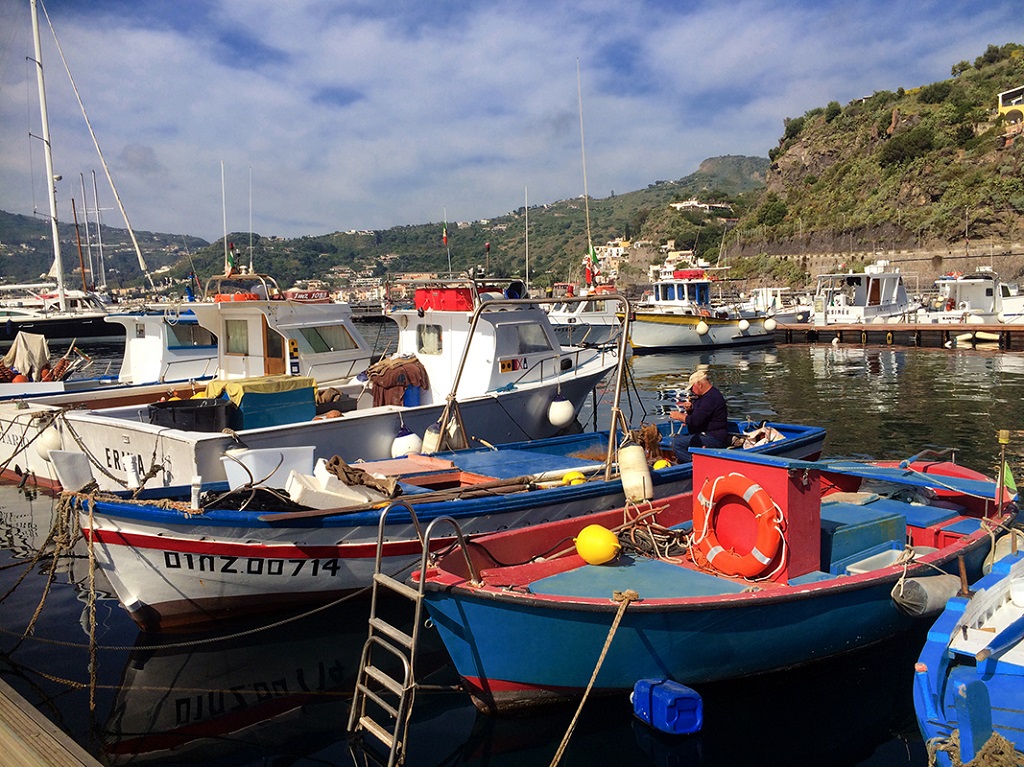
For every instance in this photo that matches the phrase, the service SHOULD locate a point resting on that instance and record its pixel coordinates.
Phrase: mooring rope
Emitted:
(624, 598)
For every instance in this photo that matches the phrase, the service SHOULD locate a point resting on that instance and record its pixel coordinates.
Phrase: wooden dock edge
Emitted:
(29, 739)
(1003, 337)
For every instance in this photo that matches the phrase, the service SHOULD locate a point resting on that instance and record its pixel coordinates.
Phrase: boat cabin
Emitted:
(875, 295)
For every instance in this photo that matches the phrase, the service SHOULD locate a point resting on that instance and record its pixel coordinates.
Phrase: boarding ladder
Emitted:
(386, 682)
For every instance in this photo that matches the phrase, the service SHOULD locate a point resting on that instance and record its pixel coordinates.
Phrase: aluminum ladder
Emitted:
(383, 697)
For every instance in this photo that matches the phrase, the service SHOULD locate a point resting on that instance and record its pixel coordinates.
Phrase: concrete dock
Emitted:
(1005, 337)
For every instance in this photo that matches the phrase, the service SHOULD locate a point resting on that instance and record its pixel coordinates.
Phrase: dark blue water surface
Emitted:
(249, 695)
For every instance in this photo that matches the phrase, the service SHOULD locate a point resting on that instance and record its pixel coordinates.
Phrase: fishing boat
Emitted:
(581, 322)
(967, 681)
(468, 364)
(974, 298)
(778, 303)
(769, 563)
(679, 314)
(170, 358)
(227, 553)
(876, 295)
(59, 314)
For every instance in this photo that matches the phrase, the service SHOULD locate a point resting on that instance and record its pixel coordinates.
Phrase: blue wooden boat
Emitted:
(176, 560)
(769, 563)
(969, 679)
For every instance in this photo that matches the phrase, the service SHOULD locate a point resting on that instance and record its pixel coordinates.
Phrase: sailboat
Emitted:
(50, 309)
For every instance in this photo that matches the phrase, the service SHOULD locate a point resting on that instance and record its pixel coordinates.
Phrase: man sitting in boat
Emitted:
(706, 417)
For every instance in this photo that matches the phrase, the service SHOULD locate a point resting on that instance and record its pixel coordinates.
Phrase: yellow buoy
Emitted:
(597, 545)
(661, 463)
(199, 394)
(574, 478)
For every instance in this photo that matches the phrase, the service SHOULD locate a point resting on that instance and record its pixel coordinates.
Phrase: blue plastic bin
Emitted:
(668, 706)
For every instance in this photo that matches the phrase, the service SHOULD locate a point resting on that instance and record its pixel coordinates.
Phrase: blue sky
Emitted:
(366, 115)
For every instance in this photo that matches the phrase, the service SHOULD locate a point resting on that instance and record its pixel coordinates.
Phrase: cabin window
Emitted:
(328, 338)
(874, 292)
(188, 334)
(514, 340)
(237, 341)
(702, 294)
(428, 339)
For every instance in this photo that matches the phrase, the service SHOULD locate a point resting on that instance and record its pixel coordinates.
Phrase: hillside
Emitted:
(912, 168)
(557, 236)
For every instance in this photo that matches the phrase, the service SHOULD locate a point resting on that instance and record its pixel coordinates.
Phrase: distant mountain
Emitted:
(558, 237)
(26, 251)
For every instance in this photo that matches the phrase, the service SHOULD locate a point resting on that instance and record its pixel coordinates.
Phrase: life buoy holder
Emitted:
(769, 526)
(223, 297)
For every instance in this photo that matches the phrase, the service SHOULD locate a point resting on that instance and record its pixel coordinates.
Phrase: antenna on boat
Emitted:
(250, 221)
(228, 261)
(583, 151)
(96, 143)
(526, 204)
(444, 239)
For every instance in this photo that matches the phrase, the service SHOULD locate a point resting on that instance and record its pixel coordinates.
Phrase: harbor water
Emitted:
(277, 693)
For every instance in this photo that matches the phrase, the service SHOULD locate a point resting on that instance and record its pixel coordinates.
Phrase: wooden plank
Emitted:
(29, 739)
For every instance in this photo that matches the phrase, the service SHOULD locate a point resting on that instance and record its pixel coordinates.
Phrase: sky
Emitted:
(332, 115)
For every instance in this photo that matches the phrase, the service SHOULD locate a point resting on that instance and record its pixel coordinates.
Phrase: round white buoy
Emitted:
(47, 441)
(702, 328)
(1001, 316)
(770, 324)
(405, 442)
(636, 474)
(744, 325)
(835, 341)
(560, 411)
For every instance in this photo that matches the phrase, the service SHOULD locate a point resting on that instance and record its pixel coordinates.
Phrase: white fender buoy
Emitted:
(405, 442)
(744, 325)
(1001, 316)
(560, 411)
(770, 324)
(47, 441)
(636, 474)
(702, 328)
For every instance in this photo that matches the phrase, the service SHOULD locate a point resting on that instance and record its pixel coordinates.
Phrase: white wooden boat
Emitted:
(680, 314)
(587, 320)
(876, 295)
(468, 365)
(976, 298)
(170, 356)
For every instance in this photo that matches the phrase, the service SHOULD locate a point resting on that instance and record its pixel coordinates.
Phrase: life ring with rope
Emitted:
(769, 526)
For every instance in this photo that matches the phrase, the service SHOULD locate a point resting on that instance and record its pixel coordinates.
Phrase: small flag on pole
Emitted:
(444, 233)
(1008, 481)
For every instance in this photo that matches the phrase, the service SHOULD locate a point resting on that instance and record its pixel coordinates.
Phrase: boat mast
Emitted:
(96, 143)
(101, 283)
(51, 178)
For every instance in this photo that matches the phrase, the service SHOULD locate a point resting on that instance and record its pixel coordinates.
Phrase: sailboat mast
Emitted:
(51, 178)
(101, 265)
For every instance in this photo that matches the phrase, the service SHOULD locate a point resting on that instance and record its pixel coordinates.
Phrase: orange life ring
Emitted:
(221, 297)
(704, 312)
(769, 528)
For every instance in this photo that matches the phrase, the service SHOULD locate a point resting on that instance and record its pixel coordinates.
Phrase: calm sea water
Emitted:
(279, 696)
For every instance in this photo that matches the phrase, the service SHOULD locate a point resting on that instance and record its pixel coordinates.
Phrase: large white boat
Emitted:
(876, 295)
(468, 365)
(679, 313)
(578, 321)
(976, 298)
(779, 303)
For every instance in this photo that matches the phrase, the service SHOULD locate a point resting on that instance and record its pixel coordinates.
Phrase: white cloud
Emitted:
(368, 115)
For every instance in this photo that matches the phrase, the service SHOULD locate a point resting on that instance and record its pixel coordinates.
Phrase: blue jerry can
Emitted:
(668, 706)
